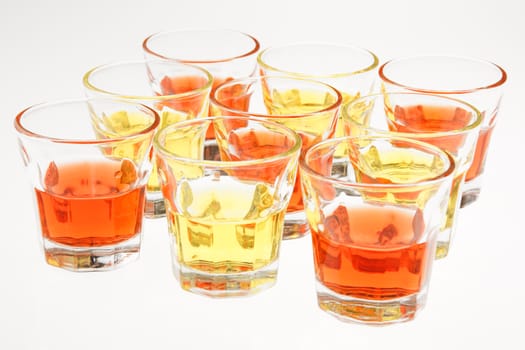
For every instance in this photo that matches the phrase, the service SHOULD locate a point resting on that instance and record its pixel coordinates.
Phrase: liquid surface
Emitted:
(90, 203)
(230, 228)
(371, 252)
(421, 118)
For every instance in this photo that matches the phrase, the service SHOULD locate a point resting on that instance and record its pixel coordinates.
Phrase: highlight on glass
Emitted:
(309, 107)
(478, 82)
(226, 54)
(226, 200)
(175, 90)
(455, 129)
(89, 178)
(374, 205)
(349, 68)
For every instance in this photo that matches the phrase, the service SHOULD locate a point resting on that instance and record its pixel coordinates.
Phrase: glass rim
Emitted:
(424, 134)
(147, 49)
(220, 164)
(370, 67)
(443, 176)
(88, 85)
(23, 130)
(499, 82)
(213, 100)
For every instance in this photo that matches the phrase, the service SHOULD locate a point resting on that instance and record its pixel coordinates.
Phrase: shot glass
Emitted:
(226, 199)
(374, 205)
(309, 107)
(226, 54)
(477, 82)
(455, 129)
(89, 177)
(175, 90)
(350, 69)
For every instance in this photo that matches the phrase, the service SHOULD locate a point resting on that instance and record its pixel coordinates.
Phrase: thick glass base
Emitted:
(470, 191)
(469, 196)
(442, 249)
(295, 225)
(226, 285)
(443, 240)
(373, 312)
(85, 259)
(154, 207)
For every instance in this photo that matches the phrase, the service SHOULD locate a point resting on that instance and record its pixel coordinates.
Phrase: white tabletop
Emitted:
(475, 293)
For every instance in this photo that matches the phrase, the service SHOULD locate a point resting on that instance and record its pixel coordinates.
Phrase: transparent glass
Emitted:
(175, 90)
(350, 69)
(374, 205)
(226, 54)
(226, 198)
(89, 177)
(455, 129)
(309, 107)
(475, 81)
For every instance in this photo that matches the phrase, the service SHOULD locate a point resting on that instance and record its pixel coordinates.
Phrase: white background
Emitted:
(476, 294)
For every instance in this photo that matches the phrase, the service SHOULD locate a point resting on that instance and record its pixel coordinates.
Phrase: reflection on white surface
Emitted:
(474, 293)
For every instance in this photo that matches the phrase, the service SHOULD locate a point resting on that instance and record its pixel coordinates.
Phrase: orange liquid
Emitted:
(90, 204)
(296, 201)
(251, 144)
(432, 119)
(234, 96)
(192, 104)
(371, 252)
(260, 144)
(480, 154)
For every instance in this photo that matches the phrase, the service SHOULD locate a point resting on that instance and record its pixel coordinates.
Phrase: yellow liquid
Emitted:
(231, 228)
(168, 117)
(396, 167)
(339, 131)
(123, 123)
(312, 129)
(315, 125)
(448, 228)
(295, 101)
